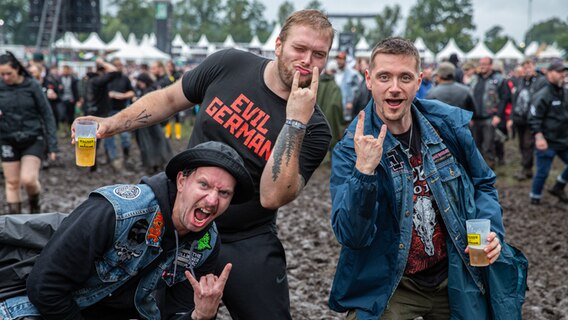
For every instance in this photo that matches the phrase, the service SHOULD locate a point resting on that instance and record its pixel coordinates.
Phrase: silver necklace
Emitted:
(408, 150)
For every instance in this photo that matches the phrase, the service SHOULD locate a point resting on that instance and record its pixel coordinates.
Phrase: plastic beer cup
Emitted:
(477, 232)
(85, 143)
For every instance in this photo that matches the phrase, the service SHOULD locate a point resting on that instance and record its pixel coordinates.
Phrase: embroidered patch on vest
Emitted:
(441, 156)
(188, 259)
(127, 192)
(155, 232)
(204, 242)
(394, 163)
(124, 253)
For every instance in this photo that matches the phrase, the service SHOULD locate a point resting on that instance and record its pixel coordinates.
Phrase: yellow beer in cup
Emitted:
(85, 143)
(477, 232)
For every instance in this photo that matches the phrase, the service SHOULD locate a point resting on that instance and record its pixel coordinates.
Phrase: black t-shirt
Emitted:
(427, 262)
(238, 108)
(120, 84)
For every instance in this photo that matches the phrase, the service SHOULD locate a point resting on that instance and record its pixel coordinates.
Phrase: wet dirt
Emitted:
(311, 248)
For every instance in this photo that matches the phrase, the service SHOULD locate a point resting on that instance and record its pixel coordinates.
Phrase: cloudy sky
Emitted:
(512, 15)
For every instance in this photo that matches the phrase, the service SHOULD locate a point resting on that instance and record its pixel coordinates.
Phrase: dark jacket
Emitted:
(329, 100)
(26, 114)
(549, 115)
(97, 101)
(526, 88)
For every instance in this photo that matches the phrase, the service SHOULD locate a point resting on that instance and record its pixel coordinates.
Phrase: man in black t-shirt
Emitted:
(120, 92)
(266, 110)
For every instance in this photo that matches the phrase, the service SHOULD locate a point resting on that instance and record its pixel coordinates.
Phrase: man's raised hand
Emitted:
(368, 149)
(207, 293)
(301, 101)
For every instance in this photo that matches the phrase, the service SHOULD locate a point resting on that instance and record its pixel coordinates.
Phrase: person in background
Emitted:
(266, 110)
(174, 75)
(69, 94)
(155, 149)
(97, 99)
(120, 92)
(140, 251)
(363, 94)
(469, 70)
(329, 100)
(448, 90)
(405, 178)
(527, 86)
(548, 118)
(348, 80)
(454, 59)
(427, 82)
(27, 129)
(490, 95)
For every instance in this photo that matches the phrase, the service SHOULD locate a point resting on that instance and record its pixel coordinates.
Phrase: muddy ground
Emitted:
(539, 231)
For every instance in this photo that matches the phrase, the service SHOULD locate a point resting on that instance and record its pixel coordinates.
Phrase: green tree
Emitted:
(386, 24)
(259, 25)
(315, 4)
(193, 18)
(549, 31)
(110, 26)
(494, 40)
(242, 18)
(436, 21)
(137, 15)
(15, 14)
(285, 9)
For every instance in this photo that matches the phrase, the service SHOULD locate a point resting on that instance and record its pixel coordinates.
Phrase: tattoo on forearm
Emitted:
(143, 117)
(289, 142)
(128, 124)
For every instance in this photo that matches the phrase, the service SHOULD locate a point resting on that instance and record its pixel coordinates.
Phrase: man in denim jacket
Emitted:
(405, 177)
(128, 250)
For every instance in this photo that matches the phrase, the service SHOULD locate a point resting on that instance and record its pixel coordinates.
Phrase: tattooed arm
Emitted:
(150, 109)
(281, 181)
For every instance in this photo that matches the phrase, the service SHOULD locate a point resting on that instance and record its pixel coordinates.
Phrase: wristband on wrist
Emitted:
(296, 124)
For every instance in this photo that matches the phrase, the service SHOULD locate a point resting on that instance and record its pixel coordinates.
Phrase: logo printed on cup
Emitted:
(86, 143)
(474, 239)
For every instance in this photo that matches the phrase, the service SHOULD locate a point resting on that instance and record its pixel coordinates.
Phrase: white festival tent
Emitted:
(362, 48)
(269, 45)
(531, 49)
(93, 42)
(117, 42)
(68, 41)
(229, 42)
(255, 43)
(479, 51)
(509, 52)
(450, 48)
(153, 40)
(551, 52)
(132, 41)
(425, 53)
(178, 41)
(145, 40)
(203, 42)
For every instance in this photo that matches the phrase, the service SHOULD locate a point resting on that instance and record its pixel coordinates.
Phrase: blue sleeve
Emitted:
(354, 198)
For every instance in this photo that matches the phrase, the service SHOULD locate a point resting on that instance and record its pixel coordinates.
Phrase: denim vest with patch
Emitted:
(133, 204)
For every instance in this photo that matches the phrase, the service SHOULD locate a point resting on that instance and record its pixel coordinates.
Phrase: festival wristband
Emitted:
(295, 124)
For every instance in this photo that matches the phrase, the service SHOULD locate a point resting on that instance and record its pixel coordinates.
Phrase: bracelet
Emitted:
(295, 124)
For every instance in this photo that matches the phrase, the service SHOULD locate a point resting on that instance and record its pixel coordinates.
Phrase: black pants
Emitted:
(526, 146)
(257, 288)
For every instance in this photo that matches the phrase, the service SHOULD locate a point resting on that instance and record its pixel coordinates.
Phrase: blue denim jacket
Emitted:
(372, 217)
(126, 259)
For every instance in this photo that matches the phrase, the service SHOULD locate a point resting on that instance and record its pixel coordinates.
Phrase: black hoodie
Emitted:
(88, 233)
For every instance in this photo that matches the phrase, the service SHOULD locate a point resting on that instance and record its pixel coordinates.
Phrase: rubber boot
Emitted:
(168, 130)
(558, 191)
(34, 203)
(14, 208)
(178, 131)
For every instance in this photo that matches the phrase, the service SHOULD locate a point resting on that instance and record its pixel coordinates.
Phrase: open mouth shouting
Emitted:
(394, 102)
(201, 216)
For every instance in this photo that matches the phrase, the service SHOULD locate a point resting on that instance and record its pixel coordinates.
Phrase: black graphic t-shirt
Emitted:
(238, 108)
(427, 258)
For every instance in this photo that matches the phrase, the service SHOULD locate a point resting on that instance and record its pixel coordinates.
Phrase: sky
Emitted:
(512, 15)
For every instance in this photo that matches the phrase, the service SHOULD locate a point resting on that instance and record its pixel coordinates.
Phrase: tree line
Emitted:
(435, 21)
